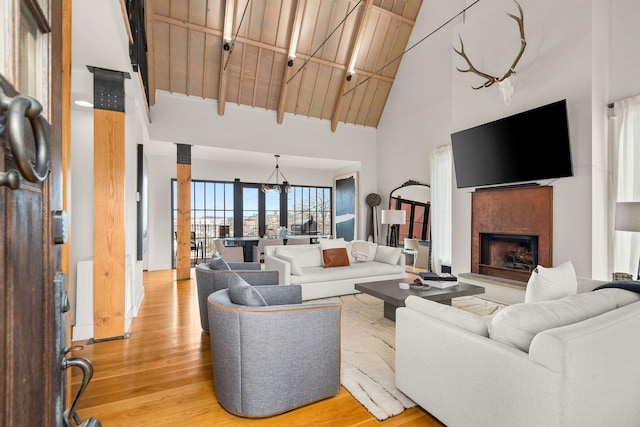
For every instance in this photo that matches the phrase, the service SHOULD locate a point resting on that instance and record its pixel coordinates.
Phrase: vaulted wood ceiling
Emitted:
(186, 40)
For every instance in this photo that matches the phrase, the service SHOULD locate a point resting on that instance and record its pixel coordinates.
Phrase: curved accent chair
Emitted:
(270, 359)
(216, 274)
(229, 253)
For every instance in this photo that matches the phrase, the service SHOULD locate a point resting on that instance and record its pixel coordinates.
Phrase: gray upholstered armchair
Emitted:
(271, 359)
(214, 276)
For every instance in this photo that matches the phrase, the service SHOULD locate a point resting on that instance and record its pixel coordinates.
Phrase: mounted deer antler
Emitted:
(492, 79)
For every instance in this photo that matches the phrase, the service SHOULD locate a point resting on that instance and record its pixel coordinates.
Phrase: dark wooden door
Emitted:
(32, 325)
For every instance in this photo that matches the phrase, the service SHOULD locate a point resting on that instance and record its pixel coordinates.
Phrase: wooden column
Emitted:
(108, 204)
(183, 227)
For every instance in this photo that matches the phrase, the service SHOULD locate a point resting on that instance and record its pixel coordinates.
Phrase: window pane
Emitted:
(272, 211)
(250, 211)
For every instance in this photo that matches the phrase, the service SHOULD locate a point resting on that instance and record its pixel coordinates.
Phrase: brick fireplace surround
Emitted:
(520, 211)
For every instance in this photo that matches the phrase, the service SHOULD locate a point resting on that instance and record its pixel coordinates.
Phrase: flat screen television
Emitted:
(528, 146)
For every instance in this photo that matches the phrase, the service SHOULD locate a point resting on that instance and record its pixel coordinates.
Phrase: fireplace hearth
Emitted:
(511, 231)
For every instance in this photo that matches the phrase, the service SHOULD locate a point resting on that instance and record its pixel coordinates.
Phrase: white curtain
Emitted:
(441, 182)
(626, 185)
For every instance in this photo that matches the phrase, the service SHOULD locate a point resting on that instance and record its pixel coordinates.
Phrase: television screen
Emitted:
(528, 146)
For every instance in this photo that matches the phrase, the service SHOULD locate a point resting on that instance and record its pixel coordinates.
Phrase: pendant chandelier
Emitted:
(276, 187)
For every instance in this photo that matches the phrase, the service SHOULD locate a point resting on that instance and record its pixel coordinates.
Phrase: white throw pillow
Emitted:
(363, 250)
(296, 270)
(551, 283)
(388, 255)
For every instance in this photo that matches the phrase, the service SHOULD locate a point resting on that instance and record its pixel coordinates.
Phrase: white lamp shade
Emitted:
(393, 217)
(627, 216)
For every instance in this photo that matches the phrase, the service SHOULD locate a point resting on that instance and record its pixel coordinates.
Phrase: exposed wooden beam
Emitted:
(394, 15)
(361, 26)
(293, 46)
(229, 11)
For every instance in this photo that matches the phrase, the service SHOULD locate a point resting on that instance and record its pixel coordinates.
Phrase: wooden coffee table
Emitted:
(393, 296)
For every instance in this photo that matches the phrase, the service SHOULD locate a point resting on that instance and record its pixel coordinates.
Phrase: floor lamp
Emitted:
(393, 218)
(628, 219)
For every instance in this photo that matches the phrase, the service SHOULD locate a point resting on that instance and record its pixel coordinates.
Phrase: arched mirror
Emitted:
(415, 199)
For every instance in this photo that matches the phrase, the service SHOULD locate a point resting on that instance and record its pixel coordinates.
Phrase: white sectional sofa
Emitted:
(566, 362)
(303, 265)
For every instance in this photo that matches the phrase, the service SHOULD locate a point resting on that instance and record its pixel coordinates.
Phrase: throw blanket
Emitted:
(629, 285)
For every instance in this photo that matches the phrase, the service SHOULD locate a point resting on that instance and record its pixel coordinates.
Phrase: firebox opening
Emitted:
(509, 251)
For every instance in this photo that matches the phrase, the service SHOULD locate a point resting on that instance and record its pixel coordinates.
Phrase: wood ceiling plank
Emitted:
(255, 80)
(197, 52)
(365, 59)
(320, 90)
(215, 14)
(179, 41)
(332, 93)
(363, 18)
(161, 31)
(355, 102)
(279, 65)
(366, 113)
(151, 50)
(378, 103)
(161, 7)
(198, 12)
(368, 95)
(253, 20)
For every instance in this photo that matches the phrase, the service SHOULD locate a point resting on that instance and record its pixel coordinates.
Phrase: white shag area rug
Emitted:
(368, 351)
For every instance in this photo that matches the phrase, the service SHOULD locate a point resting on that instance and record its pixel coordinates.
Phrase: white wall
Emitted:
(566, 49)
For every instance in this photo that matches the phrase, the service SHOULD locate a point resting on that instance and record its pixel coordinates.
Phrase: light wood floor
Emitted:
(162, 375)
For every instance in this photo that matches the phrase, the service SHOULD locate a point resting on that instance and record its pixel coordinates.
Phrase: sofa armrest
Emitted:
(244, 265)
(598, 360)
(281, 294)
(259, 278)
(282, 267)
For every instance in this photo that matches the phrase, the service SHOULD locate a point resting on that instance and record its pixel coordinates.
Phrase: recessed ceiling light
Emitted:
(84, 103)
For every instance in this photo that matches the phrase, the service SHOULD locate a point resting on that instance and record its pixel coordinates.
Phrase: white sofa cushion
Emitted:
(551, 283)
(460, 318)
(387, 254)
(622, 297)
(306, 256)
(354, 271)
(518, 324)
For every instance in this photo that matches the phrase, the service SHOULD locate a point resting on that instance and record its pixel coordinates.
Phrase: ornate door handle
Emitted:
(70, 415)
(12, 114)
